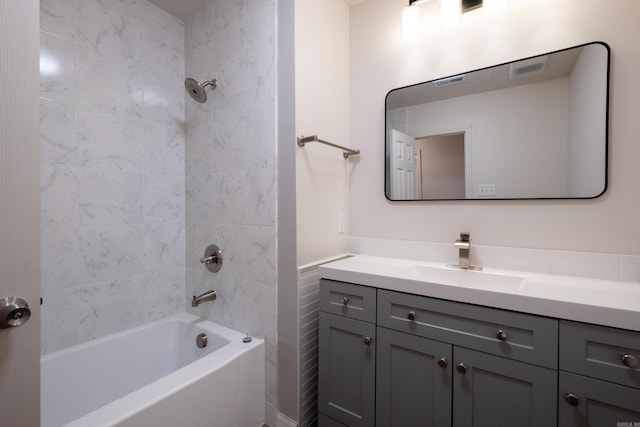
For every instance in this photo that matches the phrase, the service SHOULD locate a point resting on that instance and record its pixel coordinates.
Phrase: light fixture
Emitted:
(411, 20)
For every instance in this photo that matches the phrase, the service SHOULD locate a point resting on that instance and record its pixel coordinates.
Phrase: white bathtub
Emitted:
(155, 375)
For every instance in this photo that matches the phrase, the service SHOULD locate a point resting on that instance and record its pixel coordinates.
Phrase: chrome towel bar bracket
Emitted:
(346, 152)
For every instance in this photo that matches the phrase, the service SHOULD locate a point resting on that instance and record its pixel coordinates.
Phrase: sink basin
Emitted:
(470, 278)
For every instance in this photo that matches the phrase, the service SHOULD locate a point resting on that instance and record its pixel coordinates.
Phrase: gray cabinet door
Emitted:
(491, 391)
(346, 370)
(595, 403)
(413, 390)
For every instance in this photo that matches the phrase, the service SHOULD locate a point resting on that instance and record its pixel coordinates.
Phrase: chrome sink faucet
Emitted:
(464, 245)
(464, 249)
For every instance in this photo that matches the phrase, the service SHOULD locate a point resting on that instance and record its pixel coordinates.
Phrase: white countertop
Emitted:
(602, 302)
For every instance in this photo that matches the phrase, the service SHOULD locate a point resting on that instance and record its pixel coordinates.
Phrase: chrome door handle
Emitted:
(14, 311)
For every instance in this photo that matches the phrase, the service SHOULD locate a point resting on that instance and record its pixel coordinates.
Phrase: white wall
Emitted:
(380, 60)
(322, 108)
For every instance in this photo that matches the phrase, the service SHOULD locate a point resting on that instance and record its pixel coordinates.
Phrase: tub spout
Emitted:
(207, 296)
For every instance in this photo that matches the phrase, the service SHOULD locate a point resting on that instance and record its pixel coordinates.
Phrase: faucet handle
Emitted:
(465, 237)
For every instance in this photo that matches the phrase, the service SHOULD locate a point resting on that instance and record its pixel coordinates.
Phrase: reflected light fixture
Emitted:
(411, 19)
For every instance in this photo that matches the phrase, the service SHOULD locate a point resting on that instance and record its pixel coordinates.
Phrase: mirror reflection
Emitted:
(535, 128)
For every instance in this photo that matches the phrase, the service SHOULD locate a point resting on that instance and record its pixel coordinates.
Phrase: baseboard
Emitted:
(284, 421)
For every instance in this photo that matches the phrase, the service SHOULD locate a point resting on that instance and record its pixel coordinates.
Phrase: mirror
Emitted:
(534, 128)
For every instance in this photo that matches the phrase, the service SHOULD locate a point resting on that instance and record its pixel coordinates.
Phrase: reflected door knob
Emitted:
(411, 315)
(460, 367)
(367, 340)
(443, 363)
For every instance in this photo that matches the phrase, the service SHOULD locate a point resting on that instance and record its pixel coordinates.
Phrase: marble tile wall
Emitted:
(230, 168)
(113, 171)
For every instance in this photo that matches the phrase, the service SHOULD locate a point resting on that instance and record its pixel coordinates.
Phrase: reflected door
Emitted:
(404, 179)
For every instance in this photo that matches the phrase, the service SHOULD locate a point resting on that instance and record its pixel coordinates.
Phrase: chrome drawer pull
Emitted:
(629, 360)
(443, 363)
(366, 340)
(501, 335)
(411, 315)
(345, 300)
(572, 399)
(460, 367)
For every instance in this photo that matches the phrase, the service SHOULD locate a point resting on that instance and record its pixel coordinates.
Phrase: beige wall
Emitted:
(380, 60)
(322, 108)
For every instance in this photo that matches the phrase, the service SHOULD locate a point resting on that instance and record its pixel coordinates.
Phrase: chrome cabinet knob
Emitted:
(460, 367)
(344, 301)
(501, 335)
(572, 399)
(366, 340)
(629, 360)
(411, 315)
(443, 363)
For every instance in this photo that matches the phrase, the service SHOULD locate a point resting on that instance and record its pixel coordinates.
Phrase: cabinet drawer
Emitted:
(598, 351)
(354, 301)
(525, 337)
(584, 402)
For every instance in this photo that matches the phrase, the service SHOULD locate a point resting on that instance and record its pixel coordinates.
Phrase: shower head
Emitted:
(196, 90)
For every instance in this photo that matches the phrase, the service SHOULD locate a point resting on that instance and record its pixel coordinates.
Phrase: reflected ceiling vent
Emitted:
(528, 67)
(449, 81)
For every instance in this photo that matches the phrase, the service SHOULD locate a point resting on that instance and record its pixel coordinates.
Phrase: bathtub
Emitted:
(155, 375)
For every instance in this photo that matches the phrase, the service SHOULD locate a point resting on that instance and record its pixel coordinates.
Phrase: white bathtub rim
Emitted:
(224, 331)
(163, 387)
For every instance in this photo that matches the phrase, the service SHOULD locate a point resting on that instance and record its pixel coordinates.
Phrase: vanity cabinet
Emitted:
(435, 363)
(347, 355)
(499, 367)
(414, 379)
(599, 383)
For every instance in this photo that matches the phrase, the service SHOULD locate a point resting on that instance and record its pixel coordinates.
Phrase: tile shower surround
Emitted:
(230, 168)
(131, 181)
(112, 164)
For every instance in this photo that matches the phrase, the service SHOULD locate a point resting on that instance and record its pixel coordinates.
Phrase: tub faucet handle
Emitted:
(212, 258)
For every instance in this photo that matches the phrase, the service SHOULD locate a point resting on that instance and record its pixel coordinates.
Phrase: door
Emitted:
(404, 177)
(346, 370)
(20, 209)
(413, 381)
(585, 402)
(491, 391)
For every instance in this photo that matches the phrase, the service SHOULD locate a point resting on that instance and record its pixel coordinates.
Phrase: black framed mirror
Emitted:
(534, 128)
